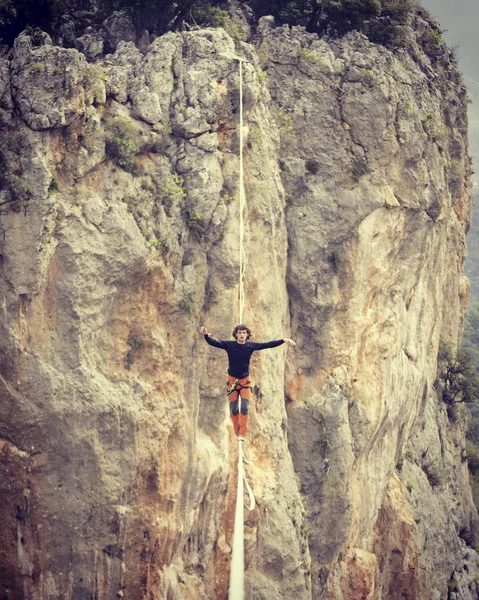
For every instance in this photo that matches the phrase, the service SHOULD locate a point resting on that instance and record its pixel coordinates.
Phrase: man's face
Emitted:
(241, 336)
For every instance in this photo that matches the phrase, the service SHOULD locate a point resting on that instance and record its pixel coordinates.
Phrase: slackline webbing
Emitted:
(242, 202)
(236, 589)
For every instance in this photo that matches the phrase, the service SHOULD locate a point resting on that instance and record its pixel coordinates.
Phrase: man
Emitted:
(239, 382)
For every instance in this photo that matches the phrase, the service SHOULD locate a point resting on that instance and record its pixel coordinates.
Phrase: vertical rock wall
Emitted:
(119, 237)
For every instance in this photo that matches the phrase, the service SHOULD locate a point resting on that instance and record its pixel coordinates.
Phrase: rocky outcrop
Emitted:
(120, 237)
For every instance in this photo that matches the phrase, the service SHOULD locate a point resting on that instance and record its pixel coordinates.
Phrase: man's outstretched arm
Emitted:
(273, 344)
(211, 340)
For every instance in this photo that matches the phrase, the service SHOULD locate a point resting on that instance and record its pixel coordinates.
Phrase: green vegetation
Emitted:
(432, 38)
(157, 143)
(19, 188)
(122, 142)
(312, 166)
(175, 14)
(470, 343)
(369, 77)
(330, 16)
(194, 219)
(451, 586)
(18, 15)
(171, 190)
(380, 20)
(37, 68)
(161, 245)
(427, 118)
(309, 55)
(255, 136)
(472, 263)
(53, 187)
(334, 261)
(458, 378)
(284, 121)
(188, 258)
(237, 30)
(472, 450)
(359, 168)
(262, 76)
(206, 14)
(186, 304)
(434, 474)
(135, 344)
(285, 124)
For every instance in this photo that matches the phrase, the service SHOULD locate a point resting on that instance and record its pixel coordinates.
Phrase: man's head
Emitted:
(241, 333)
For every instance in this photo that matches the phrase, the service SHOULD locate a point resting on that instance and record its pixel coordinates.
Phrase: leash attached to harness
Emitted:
(237, 387)
(231, 389)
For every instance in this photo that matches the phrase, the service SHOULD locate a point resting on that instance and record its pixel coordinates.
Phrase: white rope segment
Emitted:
(248, 488)
(236, 589)
(242, 253)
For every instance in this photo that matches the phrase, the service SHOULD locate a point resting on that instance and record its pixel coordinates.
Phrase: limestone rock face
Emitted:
(119, 237)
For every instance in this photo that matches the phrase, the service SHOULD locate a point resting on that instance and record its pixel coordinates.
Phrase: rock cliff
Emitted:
(119, 237)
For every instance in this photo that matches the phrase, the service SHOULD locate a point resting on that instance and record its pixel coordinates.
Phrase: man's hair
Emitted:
(242, 327)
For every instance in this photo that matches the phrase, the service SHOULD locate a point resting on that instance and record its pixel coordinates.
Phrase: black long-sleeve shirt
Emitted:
(239, 355)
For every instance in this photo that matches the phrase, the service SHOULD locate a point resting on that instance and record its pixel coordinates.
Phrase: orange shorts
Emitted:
(239, 403)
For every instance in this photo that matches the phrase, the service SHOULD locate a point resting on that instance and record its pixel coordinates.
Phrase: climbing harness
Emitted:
(236, 588)
(237, 387)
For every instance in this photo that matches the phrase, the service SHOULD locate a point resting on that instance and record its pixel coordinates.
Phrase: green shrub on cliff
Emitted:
(458, 378)
(470, 336)
(135, 344)
(470, 343)
(339, 16)
(472, 450)
(122, 142)
(19, 188)
(206, 14)
(169, 14)
(17, 15)
(171, 191)
(332, 16)
(380, 20)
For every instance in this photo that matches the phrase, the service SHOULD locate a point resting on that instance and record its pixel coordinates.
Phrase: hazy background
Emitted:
(460, 20)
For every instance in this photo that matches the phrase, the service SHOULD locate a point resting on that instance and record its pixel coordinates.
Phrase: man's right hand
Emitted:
(203, 330)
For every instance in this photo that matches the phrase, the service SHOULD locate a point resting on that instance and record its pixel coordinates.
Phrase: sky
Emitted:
(460, 20)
